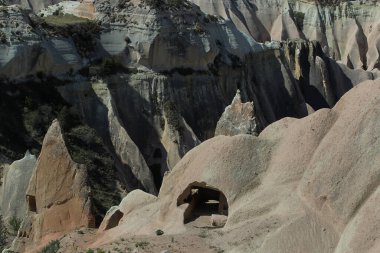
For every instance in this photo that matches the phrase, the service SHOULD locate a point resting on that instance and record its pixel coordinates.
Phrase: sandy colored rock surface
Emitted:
(15, 184)
(307, 185)
(57, 197)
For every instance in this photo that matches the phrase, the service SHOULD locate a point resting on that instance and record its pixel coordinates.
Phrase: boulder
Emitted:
(218, 220)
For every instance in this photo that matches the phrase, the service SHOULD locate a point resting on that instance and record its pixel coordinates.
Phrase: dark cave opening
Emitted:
(203, 202)
(32, 205)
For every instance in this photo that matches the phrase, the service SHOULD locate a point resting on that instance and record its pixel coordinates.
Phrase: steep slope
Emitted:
(58, 196)
(168, 73)
(308, 185)
(15, 184)
(138, 84)
(347, 30)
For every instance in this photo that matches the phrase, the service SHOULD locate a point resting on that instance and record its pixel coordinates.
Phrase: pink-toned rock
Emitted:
(58, 195)
(303, 185)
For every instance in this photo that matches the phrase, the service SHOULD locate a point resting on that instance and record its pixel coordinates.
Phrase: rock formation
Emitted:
(347, 30)
(14, 187)
(138, 85)
(304, 184)
(238, 118)
(58, 196)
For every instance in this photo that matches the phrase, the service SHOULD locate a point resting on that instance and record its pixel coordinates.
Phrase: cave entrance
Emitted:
(205, 204)
(32, 206)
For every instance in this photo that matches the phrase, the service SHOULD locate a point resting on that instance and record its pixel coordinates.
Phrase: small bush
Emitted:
(15, 224)
(3, 37)
(52, 247)
(3, 234)
(298, 19)
(199, 28)
(141, 244)
(86, 147)
(172, 115)
(159, 232)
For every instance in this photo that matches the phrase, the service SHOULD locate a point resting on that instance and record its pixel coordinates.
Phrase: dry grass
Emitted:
(64, 20)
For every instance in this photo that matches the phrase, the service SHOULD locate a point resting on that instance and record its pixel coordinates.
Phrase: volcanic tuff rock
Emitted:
(153, 80)
(14, 187)
(348, 31)
(131, 202)
(58, 194)
(300, 185)
(238, 118)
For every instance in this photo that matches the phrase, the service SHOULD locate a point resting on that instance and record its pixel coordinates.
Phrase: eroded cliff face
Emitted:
(152, 81)
(347, 30)
(299, 185)
(14, 187)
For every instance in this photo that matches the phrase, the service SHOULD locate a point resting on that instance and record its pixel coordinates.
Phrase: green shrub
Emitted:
(159, 232)
(3, 37)
(199, 28)
(52, 247)
(172, 115)
(141, 244)
(14, 224)
(83, 31)
(298, 19)
(3, 234)
(164, 4)
(85, 147)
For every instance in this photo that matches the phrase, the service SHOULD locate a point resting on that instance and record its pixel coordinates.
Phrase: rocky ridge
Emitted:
(290, 199)
(153, 81)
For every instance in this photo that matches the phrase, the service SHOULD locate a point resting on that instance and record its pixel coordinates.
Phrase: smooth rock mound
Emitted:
(308, 185)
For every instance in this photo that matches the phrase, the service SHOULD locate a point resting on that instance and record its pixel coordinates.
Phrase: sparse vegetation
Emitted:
(298, 19)
(52, 247)
(164, 4)
(199, 28)
(111, 66)
(34, 105)
(64, 20)
(3, 37)
(83, 31)
(3, 234)
(172, 115)
(85, 147)
(159, 232)
(203, 234)
(141, 244)
(14, 224)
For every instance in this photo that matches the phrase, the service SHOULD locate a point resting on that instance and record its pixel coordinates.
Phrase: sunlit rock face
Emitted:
(154, 81)
(15, 184)
(303, 177)
(347, 30)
